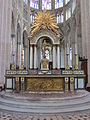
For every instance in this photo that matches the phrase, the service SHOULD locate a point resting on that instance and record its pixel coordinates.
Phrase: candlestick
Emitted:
(75, 48)
(76, 58)
(67, 49)
(13, 66)
(67, 66)
(22, 67)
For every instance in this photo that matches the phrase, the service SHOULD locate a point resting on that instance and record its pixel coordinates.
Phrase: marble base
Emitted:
(36, 103)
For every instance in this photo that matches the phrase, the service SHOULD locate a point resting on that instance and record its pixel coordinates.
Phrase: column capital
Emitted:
(35, 45)
(54, 45)
(31, 45)
(58, 45)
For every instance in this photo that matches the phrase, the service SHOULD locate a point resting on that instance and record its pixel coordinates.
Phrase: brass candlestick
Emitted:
(67, 66)
(76, 65)
(13, 65)
(76, 57)
(22, 67)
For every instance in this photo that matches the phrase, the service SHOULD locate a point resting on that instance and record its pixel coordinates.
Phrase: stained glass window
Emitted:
(58, 3)
(34, 4)
(26, 1)
(31, 17)
(46, 4)
(60, 17)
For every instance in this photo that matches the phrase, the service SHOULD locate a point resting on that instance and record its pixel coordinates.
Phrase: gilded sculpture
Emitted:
(45, 84)
(44, 20)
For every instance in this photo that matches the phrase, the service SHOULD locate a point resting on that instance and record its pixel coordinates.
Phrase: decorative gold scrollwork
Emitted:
(45, 84)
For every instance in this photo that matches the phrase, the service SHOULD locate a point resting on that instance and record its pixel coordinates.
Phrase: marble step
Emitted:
(46, 110)
(44, 103)
(54, 105)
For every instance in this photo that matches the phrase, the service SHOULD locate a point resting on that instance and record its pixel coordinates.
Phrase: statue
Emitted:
(44, 48)
(44, 62)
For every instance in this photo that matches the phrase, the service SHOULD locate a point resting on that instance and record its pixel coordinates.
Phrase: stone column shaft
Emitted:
(58, 57)
(31, 57)
(54, 57)
(35, 57)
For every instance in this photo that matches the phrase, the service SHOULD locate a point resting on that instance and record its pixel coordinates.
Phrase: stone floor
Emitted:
(81, 115)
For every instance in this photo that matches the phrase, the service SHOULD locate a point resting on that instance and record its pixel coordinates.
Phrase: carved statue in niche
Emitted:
(44, 62)
(44, 48)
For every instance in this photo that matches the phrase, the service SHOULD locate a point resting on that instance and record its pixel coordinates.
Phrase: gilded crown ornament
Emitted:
(44, 20)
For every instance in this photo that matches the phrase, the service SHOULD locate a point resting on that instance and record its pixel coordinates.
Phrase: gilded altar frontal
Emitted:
(44, 84)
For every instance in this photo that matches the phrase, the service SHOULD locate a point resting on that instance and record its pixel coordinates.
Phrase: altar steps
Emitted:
(40, 105)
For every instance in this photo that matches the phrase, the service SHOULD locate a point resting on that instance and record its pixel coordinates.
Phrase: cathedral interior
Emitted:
(44, 60)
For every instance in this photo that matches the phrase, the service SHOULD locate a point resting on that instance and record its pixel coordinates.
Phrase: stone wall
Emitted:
(85, 19)
(5, 30)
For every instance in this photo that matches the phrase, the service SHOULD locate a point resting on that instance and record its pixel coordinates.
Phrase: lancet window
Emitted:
(34, 4)
(58, 3)
(46, 4)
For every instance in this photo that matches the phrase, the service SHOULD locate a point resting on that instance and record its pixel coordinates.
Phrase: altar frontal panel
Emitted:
(45, 84)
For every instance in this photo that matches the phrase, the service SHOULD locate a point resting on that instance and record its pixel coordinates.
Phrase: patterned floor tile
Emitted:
(85, 115)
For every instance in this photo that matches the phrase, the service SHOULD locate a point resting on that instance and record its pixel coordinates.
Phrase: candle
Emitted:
(67, 49)
(75, 48)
